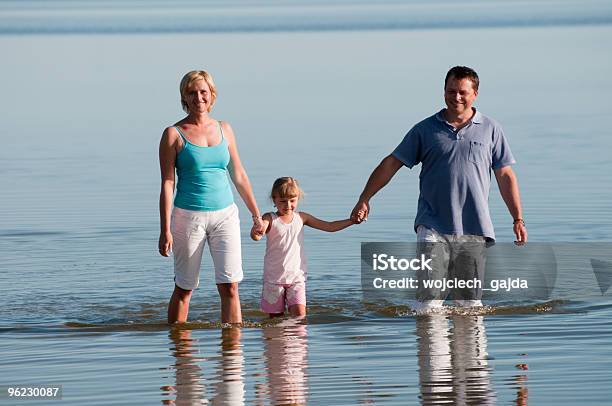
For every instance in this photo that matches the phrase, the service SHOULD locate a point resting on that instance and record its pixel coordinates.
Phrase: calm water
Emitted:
(84, 292)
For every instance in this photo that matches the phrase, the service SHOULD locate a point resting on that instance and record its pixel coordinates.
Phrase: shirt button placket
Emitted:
(460, 133)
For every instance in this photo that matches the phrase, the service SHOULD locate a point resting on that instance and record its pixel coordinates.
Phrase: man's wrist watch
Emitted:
(519, 221)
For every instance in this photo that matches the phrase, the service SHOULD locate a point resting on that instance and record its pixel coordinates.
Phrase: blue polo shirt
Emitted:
(455, 174)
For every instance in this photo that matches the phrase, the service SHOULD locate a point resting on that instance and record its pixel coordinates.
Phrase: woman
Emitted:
(202, 150)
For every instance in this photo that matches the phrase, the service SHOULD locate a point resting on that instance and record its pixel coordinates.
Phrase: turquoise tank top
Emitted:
(203, 184)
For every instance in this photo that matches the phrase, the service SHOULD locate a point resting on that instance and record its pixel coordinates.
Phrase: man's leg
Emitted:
(469, 266)
(433, 245)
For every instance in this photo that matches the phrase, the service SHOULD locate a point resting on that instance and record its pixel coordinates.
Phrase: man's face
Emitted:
(459, 94)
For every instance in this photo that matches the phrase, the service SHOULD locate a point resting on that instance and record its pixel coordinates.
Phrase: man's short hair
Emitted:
(463, 72)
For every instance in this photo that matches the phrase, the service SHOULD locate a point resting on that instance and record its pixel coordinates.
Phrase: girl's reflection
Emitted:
(285, 354)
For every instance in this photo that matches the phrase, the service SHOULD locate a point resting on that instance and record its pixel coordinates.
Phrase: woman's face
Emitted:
(198, 97)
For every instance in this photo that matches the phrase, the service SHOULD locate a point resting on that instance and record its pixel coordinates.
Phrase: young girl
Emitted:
(284, 278)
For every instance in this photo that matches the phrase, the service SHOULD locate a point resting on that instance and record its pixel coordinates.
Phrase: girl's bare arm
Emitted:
(329, 226)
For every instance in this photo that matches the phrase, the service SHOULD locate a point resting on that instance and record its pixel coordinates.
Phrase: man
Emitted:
(457, 147)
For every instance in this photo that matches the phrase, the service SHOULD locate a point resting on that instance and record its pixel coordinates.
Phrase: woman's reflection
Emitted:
(190, 388)
(230, 369)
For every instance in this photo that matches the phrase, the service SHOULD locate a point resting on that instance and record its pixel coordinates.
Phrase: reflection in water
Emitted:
(285, 354)
(230, 383)
(190, 389)
(522, 394)
(453, 367)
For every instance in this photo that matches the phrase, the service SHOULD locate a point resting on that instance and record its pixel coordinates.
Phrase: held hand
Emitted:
(360, 212)
(359, 218)
(520, 231)
(165, 244)
(258, 226)
(256, 234)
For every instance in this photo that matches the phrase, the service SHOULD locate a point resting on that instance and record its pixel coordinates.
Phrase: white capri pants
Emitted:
(191, 230)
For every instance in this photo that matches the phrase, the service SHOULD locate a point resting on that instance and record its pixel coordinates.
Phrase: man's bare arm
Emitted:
(383, 173)
(509, 189)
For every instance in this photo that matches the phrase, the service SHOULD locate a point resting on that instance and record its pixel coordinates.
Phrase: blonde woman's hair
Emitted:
(286, 187)
(192, 77)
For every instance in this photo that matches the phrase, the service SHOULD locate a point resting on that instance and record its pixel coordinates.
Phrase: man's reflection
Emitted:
(453, 366)
(285, 354)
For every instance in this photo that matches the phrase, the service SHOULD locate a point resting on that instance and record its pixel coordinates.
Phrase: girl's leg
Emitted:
(273, 299)
(296, 299)
(178, 308)
(297, 310)
(230, 303)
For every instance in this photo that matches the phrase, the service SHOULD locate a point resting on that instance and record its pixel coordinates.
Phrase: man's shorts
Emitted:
(462, 257)
(191, 230)
(275, 297)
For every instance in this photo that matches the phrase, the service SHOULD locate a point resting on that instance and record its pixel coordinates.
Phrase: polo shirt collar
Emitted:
(476, 118)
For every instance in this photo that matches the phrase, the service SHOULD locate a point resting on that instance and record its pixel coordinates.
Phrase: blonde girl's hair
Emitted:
(189, 79)
(286, 187)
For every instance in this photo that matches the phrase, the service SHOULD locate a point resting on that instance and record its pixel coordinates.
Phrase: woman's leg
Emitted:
(189, 238)
(230, 303)
(178, 308)
(225, 249)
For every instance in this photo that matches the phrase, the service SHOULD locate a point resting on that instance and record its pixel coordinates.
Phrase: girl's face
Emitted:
(285, 205)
